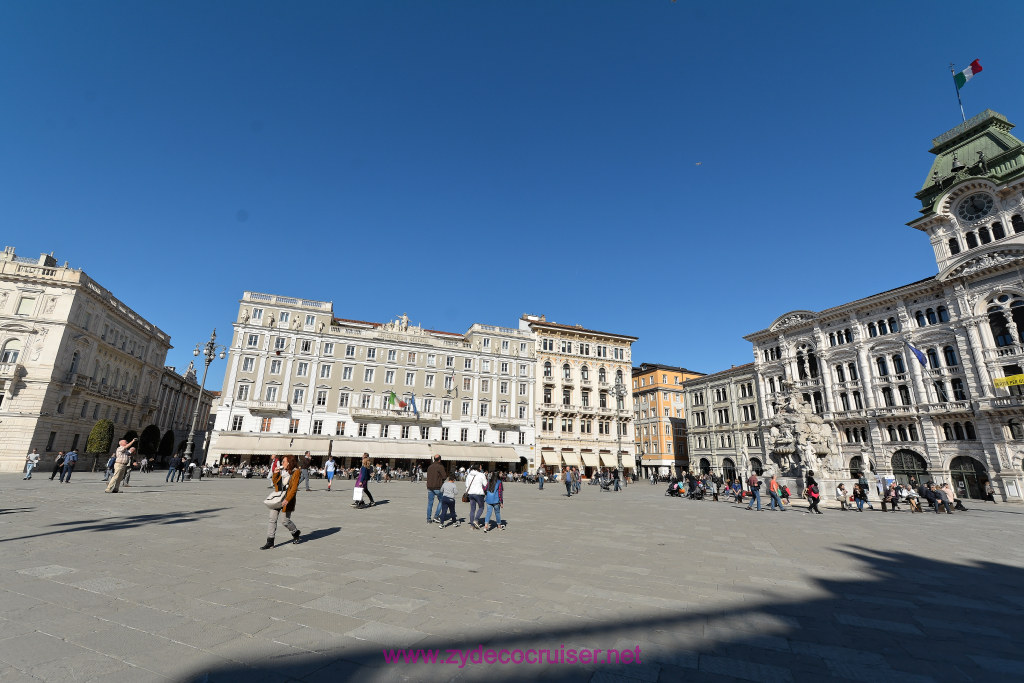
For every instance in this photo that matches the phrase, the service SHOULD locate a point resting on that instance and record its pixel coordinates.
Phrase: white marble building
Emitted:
(956, 417)
(71, 353)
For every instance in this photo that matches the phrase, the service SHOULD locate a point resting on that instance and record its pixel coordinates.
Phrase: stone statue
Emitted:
(245, 315)
(3, 300)
(405, 322)
(271, 322)
(321, 327)
(51, 304)
(297, 325)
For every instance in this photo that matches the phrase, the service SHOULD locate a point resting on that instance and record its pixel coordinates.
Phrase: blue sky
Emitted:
(471, 161)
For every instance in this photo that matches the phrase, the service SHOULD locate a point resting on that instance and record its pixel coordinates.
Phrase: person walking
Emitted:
(363, 480)
(284, 479)
(31, 460)
(122, 461)
(476, 482)
(773, 491)
(863, 481)
(329, 468)
(446, 503)
(540, 478)
(304, 464)
(70, 460)
(58, 465)
(813, 494)
(990, 492)
(494, 498)
(755, 491)
(567, 480)
(181, 468)
(172, 471)
(436, 477)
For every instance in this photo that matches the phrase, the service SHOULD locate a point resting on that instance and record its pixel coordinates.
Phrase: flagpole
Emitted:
(959, 101)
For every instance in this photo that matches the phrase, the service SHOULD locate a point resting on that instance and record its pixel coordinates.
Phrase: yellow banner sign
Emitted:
(1011, 381)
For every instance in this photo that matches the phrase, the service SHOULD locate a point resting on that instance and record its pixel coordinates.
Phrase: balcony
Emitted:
(501, 422)
(947, 407)
(885, 411)
(11, 370)
(1004, 352)
(1002, 402)
(386, 414)
(263, 406)
(548, 379)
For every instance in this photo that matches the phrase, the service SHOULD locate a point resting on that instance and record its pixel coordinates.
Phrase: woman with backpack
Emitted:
(813, 494)
(494, 498)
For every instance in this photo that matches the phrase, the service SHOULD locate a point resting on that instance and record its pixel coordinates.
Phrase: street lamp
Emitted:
(210, 351)
(620, 391)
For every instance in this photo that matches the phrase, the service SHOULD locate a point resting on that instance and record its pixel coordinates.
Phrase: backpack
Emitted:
(493, 497)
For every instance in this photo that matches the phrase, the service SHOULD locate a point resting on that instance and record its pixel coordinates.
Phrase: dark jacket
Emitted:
(293, 488)
(436, 476)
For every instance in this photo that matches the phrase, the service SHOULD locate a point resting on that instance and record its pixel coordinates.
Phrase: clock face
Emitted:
(975, 206)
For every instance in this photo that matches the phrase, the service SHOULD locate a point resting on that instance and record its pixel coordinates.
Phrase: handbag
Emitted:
(357, 494)
(275, 500)
(465, 497)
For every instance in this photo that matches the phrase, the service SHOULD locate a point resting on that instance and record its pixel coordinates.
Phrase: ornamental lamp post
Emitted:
(620, 391)
(210, 350)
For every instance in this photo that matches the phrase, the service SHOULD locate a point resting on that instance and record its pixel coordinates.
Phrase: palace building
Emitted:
(922, 381)
(300, 379)
(659, 418)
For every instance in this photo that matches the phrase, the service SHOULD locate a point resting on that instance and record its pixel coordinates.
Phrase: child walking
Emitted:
(448, 493)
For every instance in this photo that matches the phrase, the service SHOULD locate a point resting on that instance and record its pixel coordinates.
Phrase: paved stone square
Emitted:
(166, 583)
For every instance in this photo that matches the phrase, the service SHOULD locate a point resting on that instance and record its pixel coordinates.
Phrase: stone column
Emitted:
(978, 356)
(864, 370)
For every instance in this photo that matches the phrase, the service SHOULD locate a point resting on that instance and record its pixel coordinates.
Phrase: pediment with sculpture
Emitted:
(792, 318)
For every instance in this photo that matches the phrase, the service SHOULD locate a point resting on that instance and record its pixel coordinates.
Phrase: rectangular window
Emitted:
(467, 364)
(298, 397)
(449, 382)
(522, 412)
(464, 434)
(321, 397)
(428, 405)
(485, 385)
(293, 426)
(339, 429)
(254, 340)
(446, 407)
(271, 393)
(310, 321)
(444, 433)
(248, 364)
(410, 379)
(306, 346)
(243, 392)
(501, 436)
(346, 372)
(449, 361)
(412, 358)
(389, 377)
(483, 409)
(301, 369)
(405, 431)
(504, 368)
(329, 349)
(384, 431)
(429, 382)
(522, 438)
(467, 383)
(465, 408)
(424, 433)
(26, 306)
(265, 424)
(485, 366)
(284, 318)
(503, 387)
(257, 314)
(362, 429)
(350, 351)
(236, 423)
(392, 355)
(364, 400)
(275, 367)
(371, 353)
(483, 435)
(280, 343)
(343, 400)
(325, 371)
(523, 371)
(318, 426)
(431, 360)
(368, 375)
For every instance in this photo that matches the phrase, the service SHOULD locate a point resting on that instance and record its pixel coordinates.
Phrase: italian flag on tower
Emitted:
(967, 74)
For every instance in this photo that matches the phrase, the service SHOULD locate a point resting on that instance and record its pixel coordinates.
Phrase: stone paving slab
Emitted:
(165, 583)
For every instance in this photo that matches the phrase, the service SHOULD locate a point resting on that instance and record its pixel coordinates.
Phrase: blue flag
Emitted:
(412, 402)
(920, 356)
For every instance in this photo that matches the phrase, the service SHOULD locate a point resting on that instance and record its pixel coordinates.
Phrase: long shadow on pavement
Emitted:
(903, 618)
(116, 523)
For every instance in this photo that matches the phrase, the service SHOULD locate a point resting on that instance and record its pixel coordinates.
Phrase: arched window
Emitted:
(913, 433)
(997, 231)
(887, 396)
(972, 241)
(958, 431)
(856, 464)
(566, 371)
(872, 332)
(882, 329)
(755, 464)
(997, 323)
(831, 338)
(75, 357)
(933, 358)
(618, 376)
(602, 376)
(902, 430)
(919, 317)
(812, 364)
(852, 367)
(950, 355)
(849, 437)
(95, 370)
(907, 465)
(12, 350)
(840, 375)
(892, 432)
(547, 369)
(848, 335)
(1016, 430)
(954, 246)
(904, 394)
(1018, 223)
(801, 365)
(585, 373)
(969, 431)
(947, 431)
(943, 314)
(897, 364)
(883, 367)
(930, 314)
(984, 236)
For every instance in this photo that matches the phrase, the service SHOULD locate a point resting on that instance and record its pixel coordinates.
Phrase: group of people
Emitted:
(64, 465)
(484, 493)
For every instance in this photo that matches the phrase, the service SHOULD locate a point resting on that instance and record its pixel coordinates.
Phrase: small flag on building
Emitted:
(412, 402)
(920, 356)
(967, 74)
(392, 399)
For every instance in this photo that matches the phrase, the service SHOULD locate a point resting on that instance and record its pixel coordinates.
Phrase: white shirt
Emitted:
(476, 482)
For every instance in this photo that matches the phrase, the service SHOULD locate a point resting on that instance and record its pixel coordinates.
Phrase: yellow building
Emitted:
(584, 404)
(660, 418)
